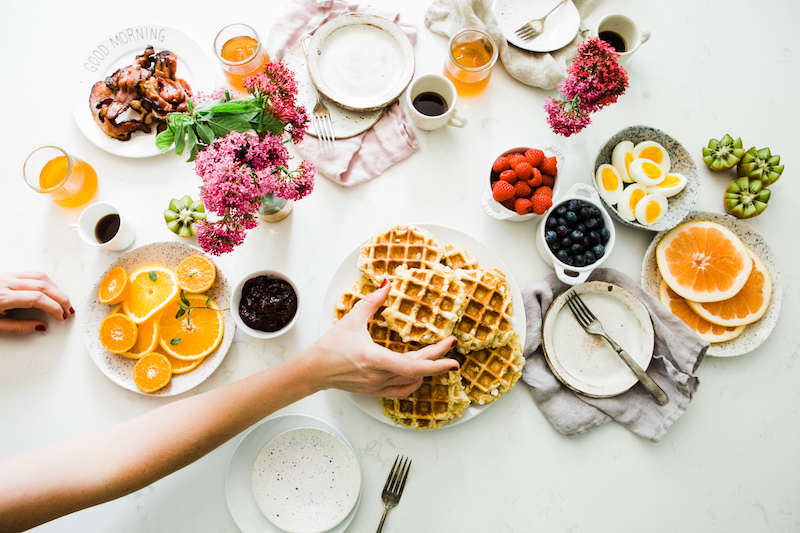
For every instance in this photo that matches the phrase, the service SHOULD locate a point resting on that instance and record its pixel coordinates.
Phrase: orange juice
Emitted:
(77, 189)
(243, 57)
(470, 60)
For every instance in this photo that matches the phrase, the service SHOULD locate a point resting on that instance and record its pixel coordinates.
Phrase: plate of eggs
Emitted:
(646, 179)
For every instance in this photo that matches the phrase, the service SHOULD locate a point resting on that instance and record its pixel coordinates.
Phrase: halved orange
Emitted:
(118, 333)
(114, 287)
(196, 274)
(194, 334)
(746, 306)
(704, 328)
(152, 372)
(703, 261)
(152, 288)
(147, 340)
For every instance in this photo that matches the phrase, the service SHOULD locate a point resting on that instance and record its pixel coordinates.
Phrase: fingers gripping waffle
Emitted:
(489, 373)
(488, 316)
(400, 245)
(439, 400)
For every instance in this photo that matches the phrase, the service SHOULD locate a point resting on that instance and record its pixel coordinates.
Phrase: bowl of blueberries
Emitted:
(577, 235)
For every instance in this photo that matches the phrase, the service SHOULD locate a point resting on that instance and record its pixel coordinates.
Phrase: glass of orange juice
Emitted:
(240, 53)
(472, 54)
(64, 178)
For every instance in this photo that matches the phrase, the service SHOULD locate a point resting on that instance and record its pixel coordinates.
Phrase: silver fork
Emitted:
(589, 322)
(320, 117)
(535, 27)
(394, 486)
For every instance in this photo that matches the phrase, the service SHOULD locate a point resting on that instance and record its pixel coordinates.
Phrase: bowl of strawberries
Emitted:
(523, 182)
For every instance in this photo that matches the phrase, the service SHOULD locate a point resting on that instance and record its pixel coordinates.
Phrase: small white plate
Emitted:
(587, 363)
(754, 334)
(346, 123)
(347, 273)
(361, 62)
(119, 49)
(560, 27)
(239, 477)
(119, 369)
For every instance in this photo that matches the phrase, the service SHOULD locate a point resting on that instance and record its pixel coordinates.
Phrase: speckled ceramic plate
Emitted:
(360, 61)
(754, 334)
(346, 123)
(680, 161)
(239, 486)
(587, 363)
(560, 27)
(120, 369)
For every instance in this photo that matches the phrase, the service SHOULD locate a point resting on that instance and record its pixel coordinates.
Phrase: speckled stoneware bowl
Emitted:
(754, 334)
(119, 369)
(680, 161)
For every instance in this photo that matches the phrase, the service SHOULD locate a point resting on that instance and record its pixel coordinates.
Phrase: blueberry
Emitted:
(585, 213)
(590, 258)
(566, 242)
(563, 231)
(581, 227)
(579, 260)
(592, 223)
(599, 250)
(570, 261)
(576, 236)
(561, 221)
(571, 218)
(605, 234)
(561, 211)
(574, 205)
(593, 237)
(562, 256)
(555, 246)
(576, 249)
(595, 211)
(550, 236)
(551, 223)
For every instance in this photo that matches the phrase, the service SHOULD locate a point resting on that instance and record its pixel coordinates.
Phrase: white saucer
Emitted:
(560, 27)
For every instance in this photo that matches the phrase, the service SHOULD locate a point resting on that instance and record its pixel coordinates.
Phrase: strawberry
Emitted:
(540, 203)
(509, 176)
(548, 180)
(548, 166)
(509, 204)
(523, 206)
(502, 191)
(521, 190)
(534, 157)
(545, 190)
(515, 159)
(523, 170)
(536, 178)
(500, 164)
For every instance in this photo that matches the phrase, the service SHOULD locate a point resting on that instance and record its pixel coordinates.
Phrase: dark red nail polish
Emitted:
(383, 283)
(65, 316)
(71, 311)
(40, 327)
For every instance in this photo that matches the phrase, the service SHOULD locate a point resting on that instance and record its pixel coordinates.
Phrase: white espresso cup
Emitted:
(625, 29)
(431, 103)
(103, 226)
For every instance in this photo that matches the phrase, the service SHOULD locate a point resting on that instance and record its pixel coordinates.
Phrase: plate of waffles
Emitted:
(444, 282)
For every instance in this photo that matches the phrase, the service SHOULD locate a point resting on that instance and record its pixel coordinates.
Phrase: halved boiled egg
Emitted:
(651, 208)
(609, 183)
(654, 152)
(621, 158)
(673, 184)
(631, 196)
(646, 172)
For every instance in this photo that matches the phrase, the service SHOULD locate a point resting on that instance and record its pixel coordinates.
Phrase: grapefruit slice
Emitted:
(193, 334)
(703, 261)
(704, 328)
(746, 306)
(152, 287)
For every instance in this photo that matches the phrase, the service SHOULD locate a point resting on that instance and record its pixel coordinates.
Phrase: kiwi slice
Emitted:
(724, 153)
(760, 165)
(746, 198)
(182, 214)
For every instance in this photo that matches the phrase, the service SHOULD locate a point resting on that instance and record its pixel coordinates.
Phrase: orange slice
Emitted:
(703, 261)
(152, 288)
(746, 306)
(194, 334)
(114, 287)
(181, 366)
(118, 333)
(704, 328)
(147, 340)
(152, 372)
(196, 274)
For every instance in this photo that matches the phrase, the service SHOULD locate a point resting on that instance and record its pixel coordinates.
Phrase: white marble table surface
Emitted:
(729, 464)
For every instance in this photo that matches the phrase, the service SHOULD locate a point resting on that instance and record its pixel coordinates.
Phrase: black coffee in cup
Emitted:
(106, 228)
(614, 39)
(430, 104)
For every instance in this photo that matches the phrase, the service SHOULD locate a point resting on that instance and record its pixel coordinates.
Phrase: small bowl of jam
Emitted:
(265, 304)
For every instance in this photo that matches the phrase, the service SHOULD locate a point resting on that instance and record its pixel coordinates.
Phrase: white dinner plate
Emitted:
(347, 273)
(560, 27)
(119, 49)
(360, 61)
(119, 369)
(238, 479)
(587, 363)
(754, 334)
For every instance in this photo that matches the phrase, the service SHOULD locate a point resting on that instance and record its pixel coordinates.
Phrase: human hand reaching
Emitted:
(25, 290)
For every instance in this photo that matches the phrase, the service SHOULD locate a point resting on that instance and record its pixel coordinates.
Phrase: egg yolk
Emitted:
(610, 181)
(653, 153)
(636, 195)
(669, 181)
(628, 159)
(652, 171)
(652, 211)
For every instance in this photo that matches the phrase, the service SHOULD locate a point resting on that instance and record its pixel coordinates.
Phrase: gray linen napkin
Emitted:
(677, 353)
(545, 70)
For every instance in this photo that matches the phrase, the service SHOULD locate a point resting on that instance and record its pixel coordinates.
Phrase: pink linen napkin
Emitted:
(365, 156)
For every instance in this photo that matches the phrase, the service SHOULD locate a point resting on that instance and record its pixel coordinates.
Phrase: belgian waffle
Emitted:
(488, 316)
(489, 373)
(439, 400)
(400, 245)
(457, 256)
(426, 303)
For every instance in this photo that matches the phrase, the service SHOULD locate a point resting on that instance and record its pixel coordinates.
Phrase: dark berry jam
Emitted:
(267, 304)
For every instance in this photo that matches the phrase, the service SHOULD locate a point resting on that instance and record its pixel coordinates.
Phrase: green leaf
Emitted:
(205, 133)
(180, 137)
(208, 303)
(165, 139)
(223, 125)
(153, 275)
(184, 299)
(180, 312)
(235, 107)
(191, 140)
(176, 341)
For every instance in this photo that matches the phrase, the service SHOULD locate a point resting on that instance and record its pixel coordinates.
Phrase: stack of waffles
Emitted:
(439, 290)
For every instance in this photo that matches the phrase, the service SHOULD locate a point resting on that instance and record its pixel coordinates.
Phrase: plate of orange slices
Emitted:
(718, 275)
(152, 323)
